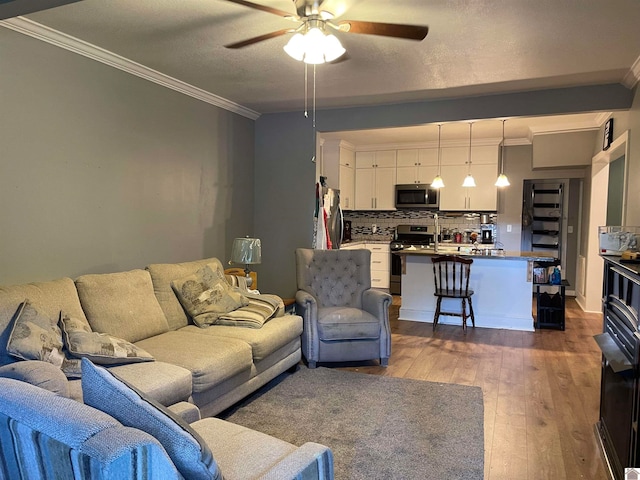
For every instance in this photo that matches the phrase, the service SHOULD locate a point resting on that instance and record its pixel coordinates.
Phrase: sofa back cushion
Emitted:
(122, 304)
(51, 297)
(162, 274)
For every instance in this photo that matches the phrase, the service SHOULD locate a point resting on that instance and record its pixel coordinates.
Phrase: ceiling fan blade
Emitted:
(264, 8)
(410, 32)
(266, 36)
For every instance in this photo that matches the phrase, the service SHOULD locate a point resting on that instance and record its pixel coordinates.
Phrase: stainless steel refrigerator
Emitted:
(335, 218)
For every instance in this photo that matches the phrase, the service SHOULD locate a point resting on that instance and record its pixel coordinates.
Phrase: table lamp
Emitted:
(247, 251)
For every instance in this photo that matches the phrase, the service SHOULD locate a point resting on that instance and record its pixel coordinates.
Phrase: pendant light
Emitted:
(502, 180)
(469, 180)
(437, 181)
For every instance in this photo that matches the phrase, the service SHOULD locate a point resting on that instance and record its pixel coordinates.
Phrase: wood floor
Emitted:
(541, 390)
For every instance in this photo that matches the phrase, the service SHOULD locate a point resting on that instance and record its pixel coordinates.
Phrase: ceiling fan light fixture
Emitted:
(295, 47)
(333, 49)
(314, 47)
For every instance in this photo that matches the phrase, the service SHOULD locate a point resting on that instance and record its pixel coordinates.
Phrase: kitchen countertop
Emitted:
(361, 241)
(632, 267)
(504, 255)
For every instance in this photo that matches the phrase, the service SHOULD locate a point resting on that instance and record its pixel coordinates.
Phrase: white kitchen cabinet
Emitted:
(484, 196)
(380, 262)
(484, 168)
(347, 178)
(338, 164)
(375, 177)
(416, 165)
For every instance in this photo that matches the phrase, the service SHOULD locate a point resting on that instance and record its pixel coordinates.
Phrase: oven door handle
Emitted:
(617, 359)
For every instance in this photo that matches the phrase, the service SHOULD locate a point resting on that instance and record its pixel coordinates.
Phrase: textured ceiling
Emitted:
(473, 47)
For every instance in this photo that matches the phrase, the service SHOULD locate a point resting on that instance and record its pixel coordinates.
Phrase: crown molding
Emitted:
(338, 143)
(54, 37)
(632, 77)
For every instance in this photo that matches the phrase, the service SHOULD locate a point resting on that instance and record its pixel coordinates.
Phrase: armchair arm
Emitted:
(377, 303)
(307, 308)
(41, 374)
(310, 461)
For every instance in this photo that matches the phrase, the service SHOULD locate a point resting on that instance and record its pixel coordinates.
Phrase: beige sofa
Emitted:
(212, 367)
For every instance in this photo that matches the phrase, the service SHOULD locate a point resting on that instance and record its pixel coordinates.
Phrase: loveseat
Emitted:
(212, 367)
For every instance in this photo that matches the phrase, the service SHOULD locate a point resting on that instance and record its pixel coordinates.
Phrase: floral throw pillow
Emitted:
(35, 336)
(101, 348)
(206, 295)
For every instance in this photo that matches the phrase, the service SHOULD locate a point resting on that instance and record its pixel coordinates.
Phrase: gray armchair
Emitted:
(344, 319)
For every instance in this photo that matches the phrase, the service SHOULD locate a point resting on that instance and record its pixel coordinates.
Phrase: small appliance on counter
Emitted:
(487, 233)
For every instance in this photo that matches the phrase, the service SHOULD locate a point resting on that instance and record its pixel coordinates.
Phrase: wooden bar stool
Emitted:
(451, 275)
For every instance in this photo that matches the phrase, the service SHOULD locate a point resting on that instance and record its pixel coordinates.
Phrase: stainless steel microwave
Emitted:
(417, 195)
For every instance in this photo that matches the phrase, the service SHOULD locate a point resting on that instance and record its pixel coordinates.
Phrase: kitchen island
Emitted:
(502, 286)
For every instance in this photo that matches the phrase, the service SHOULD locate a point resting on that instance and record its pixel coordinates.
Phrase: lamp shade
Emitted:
(247, 251)
(437, 182)
(502, 181)
(469, 181)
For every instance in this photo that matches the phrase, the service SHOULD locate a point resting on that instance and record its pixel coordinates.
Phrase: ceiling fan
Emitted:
(311, 43)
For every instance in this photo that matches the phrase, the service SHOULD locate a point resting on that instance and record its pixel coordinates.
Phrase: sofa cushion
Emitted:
(276, 333)
(121, 304)
(345, 323)
(190, 454)
(211, 360)
(100, 348)
(35, 336)
(244, 453)
(50, 297)
(162, 274)
(206, 294)
(164, 382)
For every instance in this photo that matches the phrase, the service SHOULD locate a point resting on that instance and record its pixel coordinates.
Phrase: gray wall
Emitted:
(283, 142)
(102, 171)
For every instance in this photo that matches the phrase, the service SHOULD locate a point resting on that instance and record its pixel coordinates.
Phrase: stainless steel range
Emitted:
(407, 236)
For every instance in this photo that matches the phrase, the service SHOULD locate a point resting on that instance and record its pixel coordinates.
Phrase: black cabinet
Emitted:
(620, 385)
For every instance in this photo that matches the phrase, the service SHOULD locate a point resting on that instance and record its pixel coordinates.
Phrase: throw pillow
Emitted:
(100, 348)
(206, 295)
(103, 390)
(35, 336)
(260, 309)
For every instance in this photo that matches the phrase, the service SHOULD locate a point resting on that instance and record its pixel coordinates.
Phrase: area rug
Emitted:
(377, 427)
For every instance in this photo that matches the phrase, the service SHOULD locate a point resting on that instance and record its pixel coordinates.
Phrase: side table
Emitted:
(289, 306)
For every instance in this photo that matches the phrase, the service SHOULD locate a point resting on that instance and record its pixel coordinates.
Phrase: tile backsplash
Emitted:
(362, 222)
